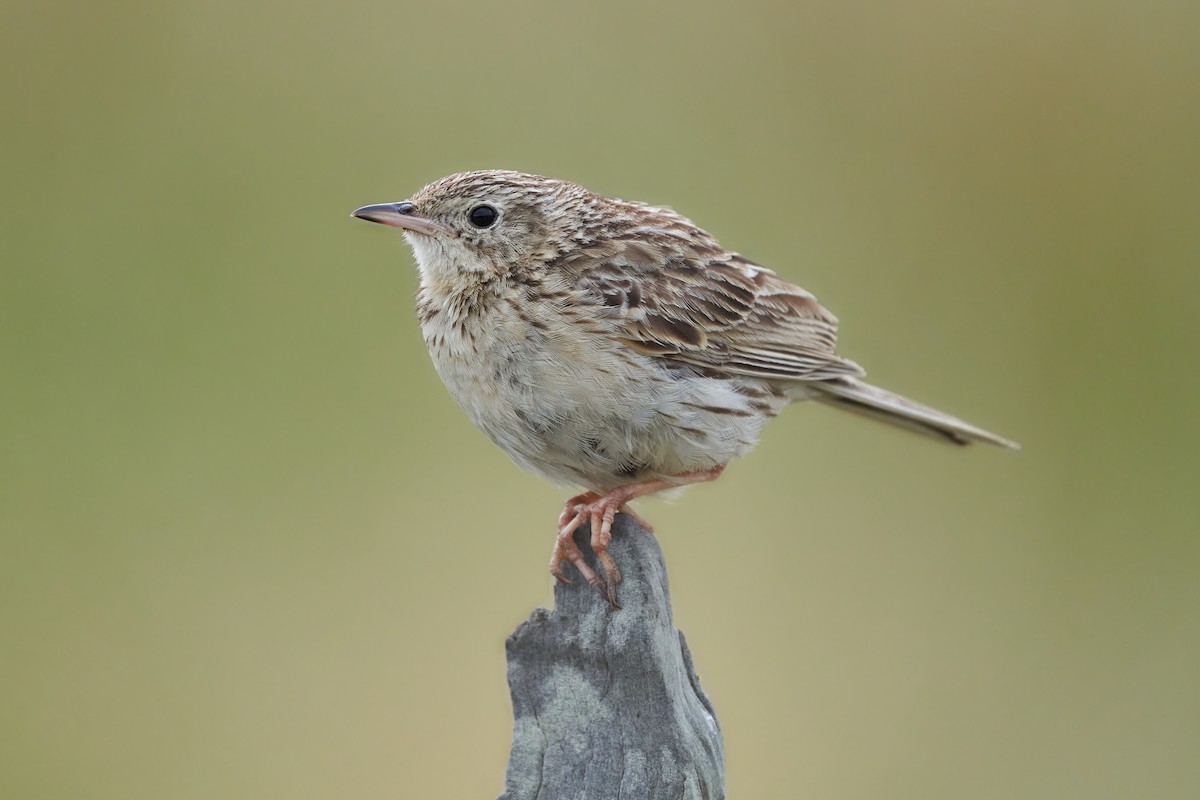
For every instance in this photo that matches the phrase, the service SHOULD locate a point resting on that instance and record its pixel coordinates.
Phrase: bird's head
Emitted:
(486, 223)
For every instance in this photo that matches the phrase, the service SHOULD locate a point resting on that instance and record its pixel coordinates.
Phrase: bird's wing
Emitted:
(714, 309)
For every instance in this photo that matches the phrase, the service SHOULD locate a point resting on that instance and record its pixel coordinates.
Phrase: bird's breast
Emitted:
(566, 400)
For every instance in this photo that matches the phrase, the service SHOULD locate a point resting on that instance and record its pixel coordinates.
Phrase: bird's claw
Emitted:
(599, 511)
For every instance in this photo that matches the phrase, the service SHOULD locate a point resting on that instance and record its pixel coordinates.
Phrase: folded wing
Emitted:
(716, 310)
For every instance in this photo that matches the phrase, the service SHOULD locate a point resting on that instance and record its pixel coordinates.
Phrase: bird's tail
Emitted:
(871, 401)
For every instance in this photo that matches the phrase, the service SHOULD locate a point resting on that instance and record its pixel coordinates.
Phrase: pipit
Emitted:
(615, 346)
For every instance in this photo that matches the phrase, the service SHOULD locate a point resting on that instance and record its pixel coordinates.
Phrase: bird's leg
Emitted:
(570, 509)
(576, 511)
(600, 510)
(564, 544)
(605, 509)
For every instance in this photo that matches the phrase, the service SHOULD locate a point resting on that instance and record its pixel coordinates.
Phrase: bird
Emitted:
(616, 346)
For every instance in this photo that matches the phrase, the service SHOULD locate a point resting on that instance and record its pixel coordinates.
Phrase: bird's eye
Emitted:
(482, 216)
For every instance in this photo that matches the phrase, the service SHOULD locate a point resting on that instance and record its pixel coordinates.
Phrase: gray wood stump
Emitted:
(606, 703)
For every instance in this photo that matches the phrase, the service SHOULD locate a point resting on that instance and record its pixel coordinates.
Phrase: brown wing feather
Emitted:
(696, 303)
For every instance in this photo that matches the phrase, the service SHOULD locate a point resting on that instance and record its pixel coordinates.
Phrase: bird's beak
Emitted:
(402, 215)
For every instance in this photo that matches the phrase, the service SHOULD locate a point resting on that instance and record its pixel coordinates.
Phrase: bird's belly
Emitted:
(578, 413)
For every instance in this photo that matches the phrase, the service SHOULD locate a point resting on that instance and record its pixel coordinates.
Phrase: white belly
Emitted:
(590, 412)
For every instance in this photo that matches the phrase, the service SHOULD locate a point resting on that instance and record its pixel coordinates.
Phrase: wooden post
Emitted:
(606, 703)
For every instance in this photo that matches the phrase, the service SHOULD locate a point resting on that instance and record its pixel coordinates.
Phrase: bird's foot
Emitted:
(600, 510)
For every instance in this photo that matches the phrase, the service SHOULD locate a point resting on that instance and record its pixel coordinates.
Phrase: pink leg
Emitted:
(564, 544)
(600, 510)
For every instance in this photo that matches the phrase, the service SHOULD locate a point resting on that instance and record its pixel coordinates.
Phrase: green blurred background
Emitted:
(251, 548)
